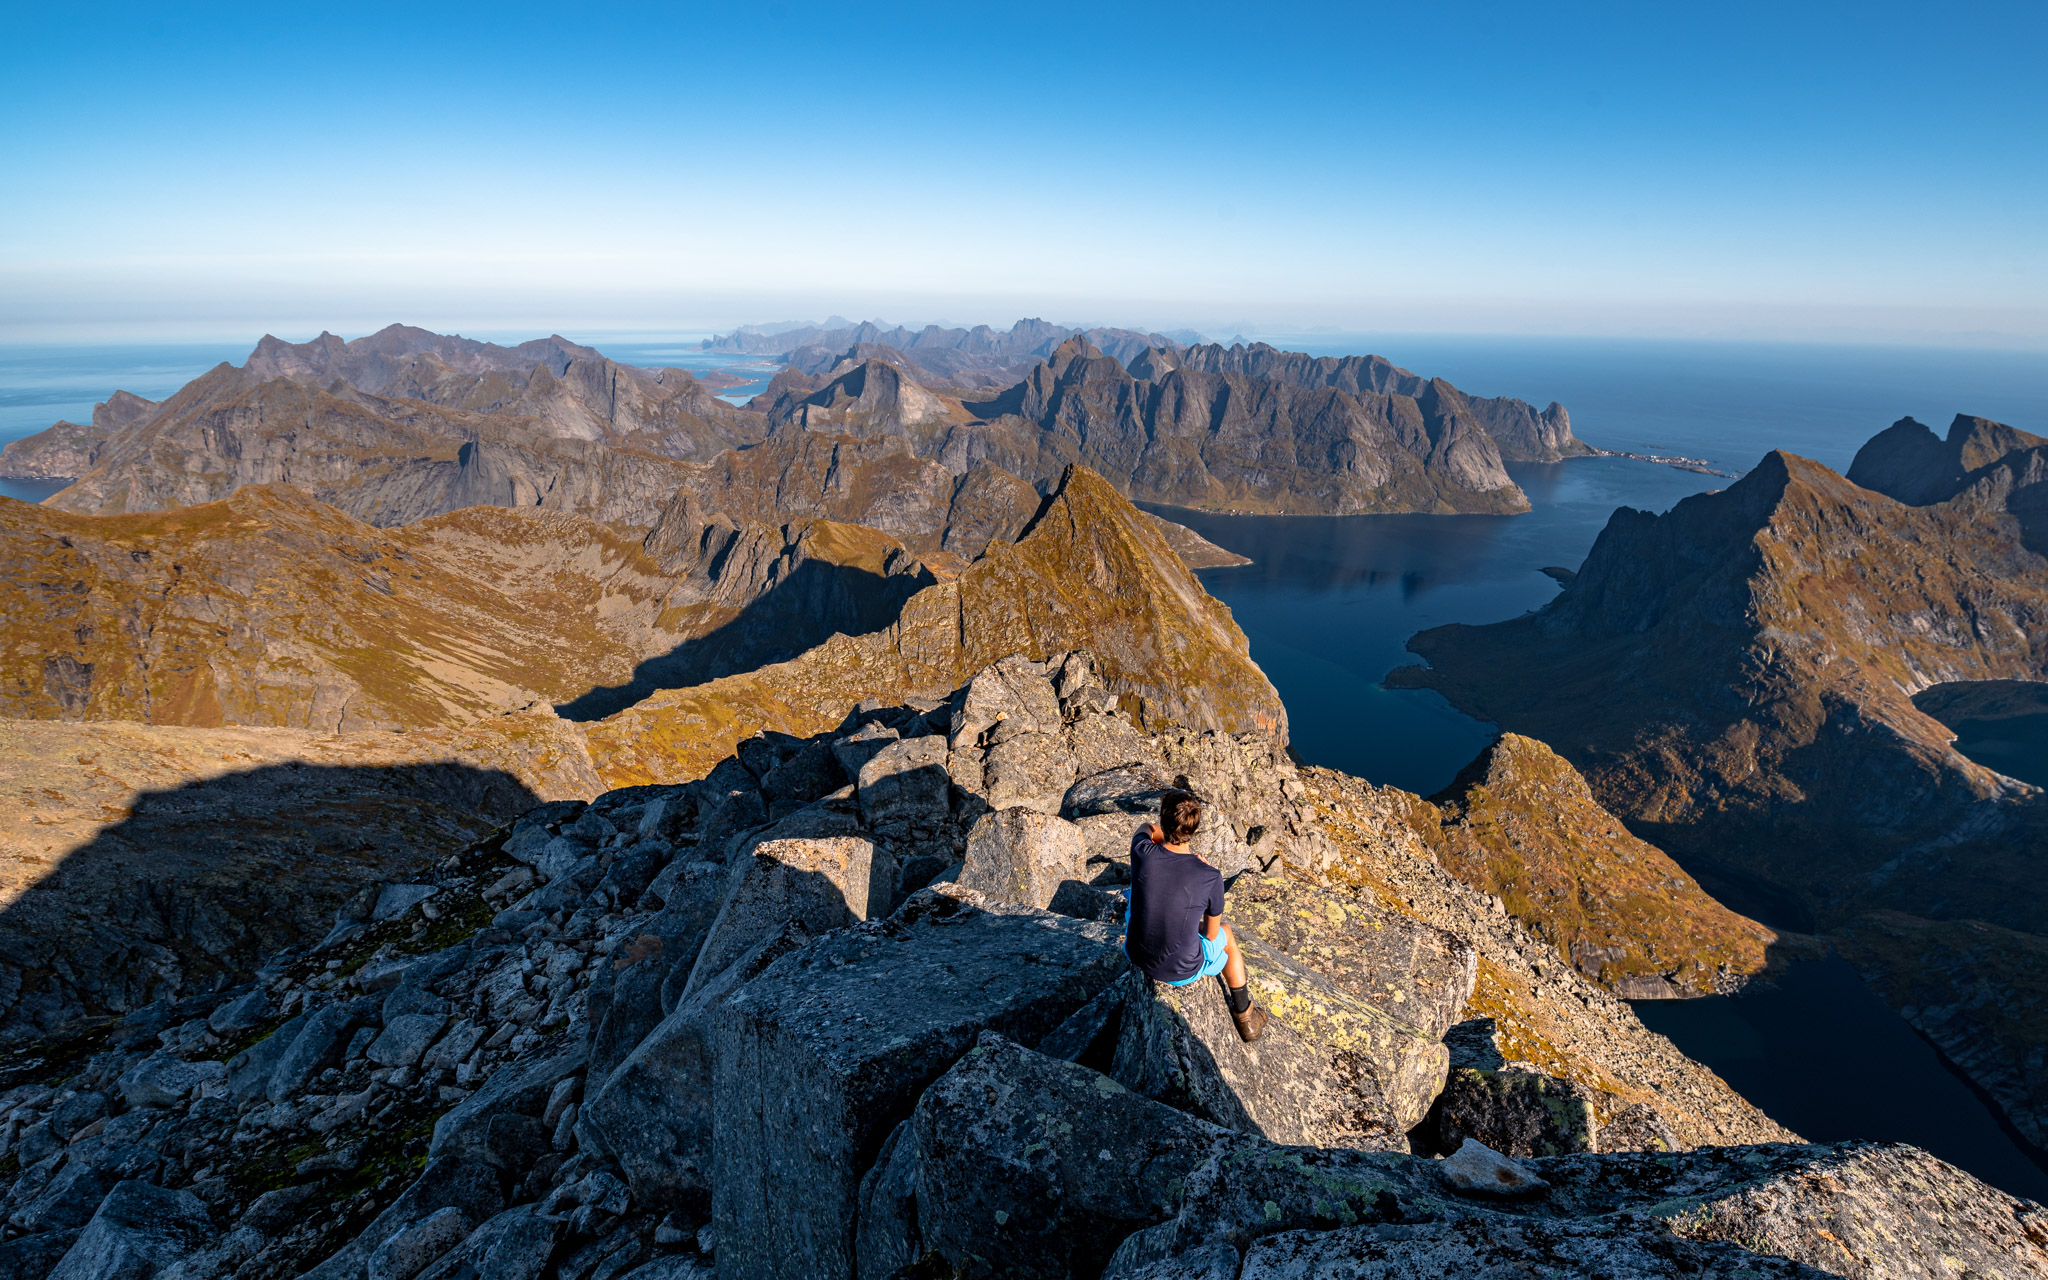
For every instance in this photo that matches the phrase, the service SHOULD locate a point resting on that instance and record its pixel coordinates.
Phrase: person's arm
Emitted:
(1212, 913)
(1210, 926)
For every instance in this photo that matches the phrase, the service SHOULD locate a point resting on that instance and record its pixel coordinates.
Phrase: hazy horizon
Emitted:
(1835, 173)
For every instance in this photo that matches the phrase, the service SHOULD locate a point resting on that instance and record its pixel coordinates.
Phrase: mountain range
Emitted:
(406, 424)
(490, 811)
(1742, 679)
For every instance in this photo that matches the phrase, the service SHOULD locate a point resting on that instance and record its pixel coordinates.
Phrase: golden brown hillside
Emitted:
(1093, 572)
(270, 608)
(1520, 823)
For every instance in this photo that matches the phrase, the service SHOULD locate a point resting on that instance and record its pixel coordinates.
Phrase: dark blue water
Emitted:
(1329, 605)
(1821, 1054)
(2016, 746)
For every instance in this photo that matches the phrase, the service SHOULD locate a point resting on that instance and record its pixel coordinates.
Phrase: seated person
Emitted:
(1174, 930)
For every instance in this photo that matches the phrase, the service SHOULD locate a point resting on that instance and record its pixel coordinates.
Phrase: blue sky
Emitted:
(1826, 171)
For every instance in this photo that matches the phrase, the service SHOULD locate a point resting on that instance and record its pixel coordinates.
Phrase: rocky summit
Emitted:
(854, 1006)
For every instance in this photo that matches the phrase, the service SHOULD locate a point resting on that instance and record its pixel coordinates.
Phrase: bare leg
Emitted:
(1233, 967)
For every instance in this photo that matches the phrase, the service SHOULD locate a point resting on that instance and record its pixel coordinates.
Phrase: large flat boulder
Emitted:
(822, 1055)
(1331, 1069)
(1023, 855)
(653, 1113)
(823, 884)
(1867, 1211)
(906, 781)
(626, 1001)
(138, 1230)
(1044, 1165)
(1014, 693)
(1416, 972)
(1613, 1250)
(1031, 770)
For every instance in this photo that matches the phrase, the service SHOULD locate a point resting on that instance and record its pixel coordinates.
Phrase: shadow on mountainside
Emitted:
(815, 602)
(197, 883)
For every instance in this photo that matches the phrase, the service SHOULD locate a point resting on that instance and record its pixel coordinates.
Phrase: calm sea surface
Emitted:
(1329, 604)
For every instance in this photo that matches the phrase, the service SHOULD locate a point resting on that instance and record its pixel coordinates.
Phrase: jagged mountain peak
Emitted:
(1907, 461)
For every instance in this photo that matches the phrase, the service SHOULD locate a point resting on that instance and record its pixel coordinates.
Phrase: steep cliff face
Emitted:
(1234, 430)
(387, 461)
(1233, 441)
(1909, 462)
(1982, 464)
(270, 608)
(1522, 432)
(873, 396)
(1091, 571)
(562, 389)
(405, 424)
(57, 452)
(1520, 823)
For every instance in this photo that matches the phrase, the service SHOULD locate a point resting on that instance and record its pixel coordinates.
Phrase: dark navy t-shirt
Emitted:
(1170, 893)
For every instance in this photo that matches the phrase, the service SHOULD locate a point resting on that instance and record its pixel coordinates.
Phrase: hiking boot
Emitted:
(1250, 1024)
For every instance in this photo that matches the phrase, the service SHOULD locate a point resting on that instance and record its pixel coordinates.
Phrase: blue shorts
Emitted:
(1214, 956)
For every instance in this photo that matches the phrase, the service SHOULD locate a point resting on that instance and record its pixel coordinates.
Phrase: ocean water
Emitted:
(40, 385)
(1725, 401)
(1329, 604)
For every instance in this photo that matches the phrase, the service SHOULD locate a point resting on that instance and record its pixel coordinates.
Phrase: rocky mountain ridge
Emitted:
(67, 450)
(1210, 441)
(405, 424)
(654, 1036)
(1521, 824)
(268, 608)
(1522, 432)
(1737, 680)
(199, 617)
